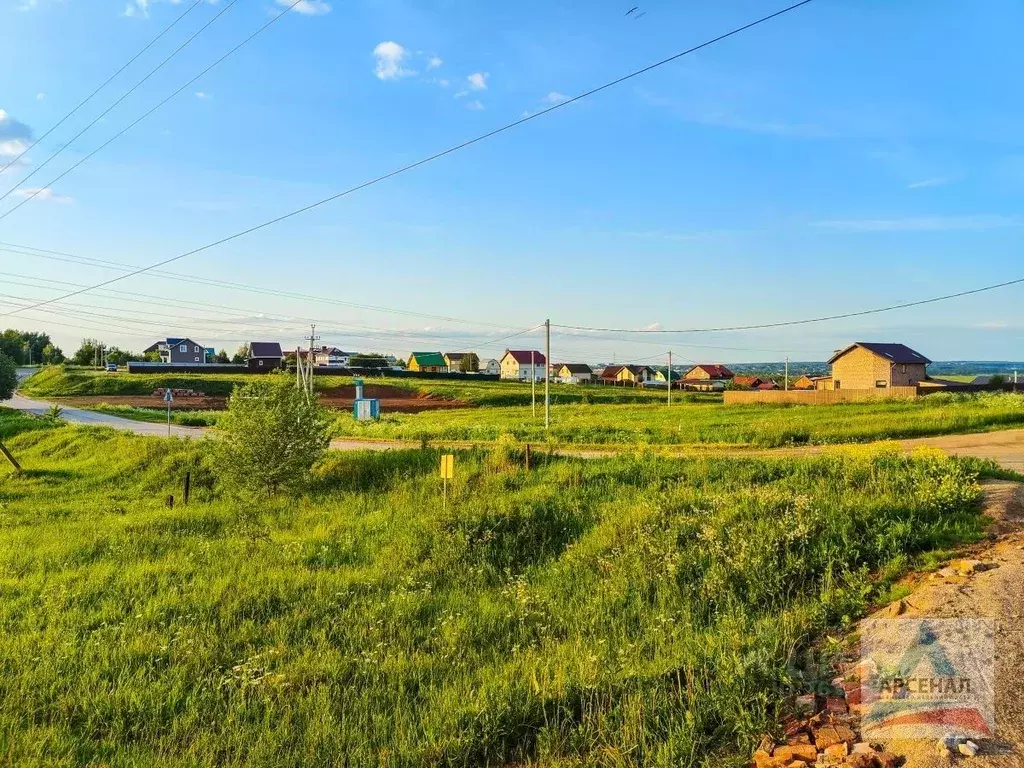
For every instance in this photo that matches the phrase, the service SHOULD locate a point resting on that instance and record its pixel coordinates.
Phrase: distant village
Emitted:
(860, 366)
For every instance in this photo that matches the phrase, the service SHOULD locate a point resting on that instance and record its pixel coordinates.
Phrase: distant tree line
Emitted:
(29, 347)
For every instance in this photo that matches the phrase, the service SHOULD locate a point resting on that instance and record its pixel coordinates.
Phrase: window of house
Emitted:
(880, 384)
(183, 348)
(261, 363)
(903, 369)
(196, 349)
(196, 359)
(836, 384)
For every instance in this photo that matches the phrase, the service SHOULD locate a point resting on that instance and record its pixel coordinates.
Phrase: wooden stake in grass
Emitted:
(10, 457)
(188, 488)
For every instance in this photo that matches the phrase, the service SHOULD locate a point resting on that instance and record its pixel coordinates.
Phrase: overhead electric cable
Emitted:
(107, 111)
(138, 120)
(433, 157)
(105, 83)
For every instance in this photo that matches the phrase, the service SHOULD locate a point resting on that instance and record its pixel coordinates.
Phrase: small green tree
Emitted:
(221, 357)
(241, 356)
(8, 377)
(273, 436)
(470, 363)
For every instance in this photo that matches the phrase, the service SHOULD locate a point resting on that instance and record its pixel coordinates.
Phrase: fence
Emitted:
(818, 396)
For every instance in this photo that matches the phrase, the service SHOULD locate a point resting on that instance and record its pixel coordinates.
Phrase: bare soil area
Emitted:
(997, 592)
(393, 400)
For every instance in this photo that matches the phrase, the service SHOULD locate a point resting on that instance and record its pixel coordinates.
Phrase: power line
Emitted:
(178, 277)
(131, 125)
(805, 321)
(430, 158)
(106, 82)
(107, 111)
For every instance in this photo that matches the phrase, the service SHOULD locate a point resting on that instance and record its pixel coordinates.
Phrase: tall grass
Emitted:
(57, 381)
(765, 426)
(635, 611)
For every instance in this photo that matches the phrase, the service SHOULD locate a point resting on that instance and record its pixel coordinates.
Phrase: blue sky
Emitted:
(848, 155)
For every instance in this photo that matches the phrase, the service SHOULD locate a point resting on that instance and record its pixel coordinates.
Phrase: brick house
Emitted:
(709, 372)
(873, 365)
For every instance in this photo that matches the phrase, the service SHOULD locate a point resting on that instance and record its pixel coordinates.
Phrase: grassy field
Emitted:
(56, 381)
(635, 611)
(765, 426)
(159, 415)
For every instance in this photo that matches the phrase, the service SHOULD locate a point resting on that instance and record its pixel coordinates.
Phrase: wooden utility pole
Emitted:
(10, 457)
(787, 374)
(547, 374)
(533, 382)
(670, 377)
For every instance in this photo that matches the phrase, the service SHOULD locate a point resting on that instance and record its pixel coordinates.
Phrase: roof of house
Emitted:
(175, 340)
(747, 381)
(611, 371)
(767, 385)
(714, 371)
(894, 353)
(638, 369)
(575, 367)
(523, 356)
(455, 355)
(153, 347)
(332, 351)
(265, 349)
(433, 359)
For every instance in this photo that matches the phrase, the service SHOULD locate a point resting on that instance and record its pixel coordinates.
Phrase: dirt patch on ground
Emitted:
(392, 400)
(994, 590)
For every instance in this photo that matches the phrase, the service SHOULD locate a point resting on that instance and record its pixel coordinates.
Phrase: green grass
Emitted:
(765, 426)
(56, 381)
(158, 415)
(634, 611)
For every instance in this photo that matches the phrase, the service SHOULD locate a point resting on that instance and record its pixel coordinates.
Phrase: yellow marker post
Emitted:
(447, 473)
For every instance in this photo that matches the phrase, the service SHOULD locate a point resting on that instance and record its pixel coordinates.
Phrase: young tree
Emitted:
(242, 355)
(8, 377)
(221, 357)
(368, 361)
(86, 354)
(52, 355)
(470, 363)
(273, 436)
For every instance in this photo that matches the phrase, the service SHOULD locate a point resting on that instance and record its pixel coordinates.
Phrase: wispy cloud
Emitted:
(475, 105)
(723, 116)
(43, 194)
(478, 81)
(993, 325)
(938, 181)
(307, 7)
(555, 98)
(203, 96)
(40, 96)
(434, 62)
(924, 223)
(11, 128)
(389, 56)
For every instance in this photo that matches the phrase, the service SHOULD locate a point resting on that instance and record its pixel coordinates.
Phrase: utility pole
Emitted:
(670, 377)
(533, 382)
(547, 374)
(313, 339)
(787, 374)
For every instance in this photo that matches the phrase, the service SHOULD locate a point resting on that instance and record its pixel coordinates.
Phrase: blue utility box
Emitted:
(364, 408)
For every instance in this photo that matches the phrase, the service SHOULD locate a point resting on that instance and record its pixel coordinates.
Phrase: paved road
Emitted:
(81, 416)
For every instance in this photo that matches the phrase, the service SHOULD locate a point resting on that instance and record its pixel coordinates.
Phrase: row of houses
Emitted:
(260, 355)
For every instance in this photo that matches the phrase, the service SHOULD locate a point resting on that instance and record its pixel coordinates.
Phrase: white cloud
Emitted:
(460, 94)
(389, 56)
(555, 98)
(652, 327)
(478, 81)
(434, 62)
(443, 83)
(993, 325)
(11, 128)
(203, 96)
(475, 105)
(40, 96)
(10, 149)
(43, 194)
(924, 223)
(308, 7)
(936, 182)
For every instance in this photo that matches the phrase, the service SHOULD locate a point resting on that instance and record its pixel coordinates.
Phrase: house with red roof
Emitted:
(523, 365)
(709, 372)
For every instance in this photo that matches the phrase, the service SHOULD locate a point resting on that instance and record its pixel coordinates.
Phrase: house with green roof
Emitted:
(427, 362)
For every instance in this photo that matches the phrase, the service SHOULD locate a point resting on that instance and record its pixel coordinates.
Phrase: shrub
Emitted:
(273, 436)
(8, 377)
